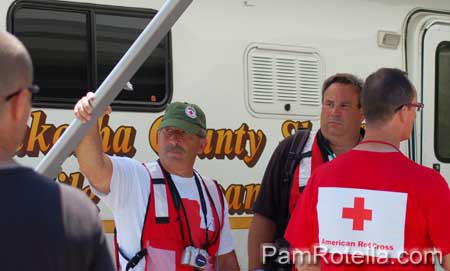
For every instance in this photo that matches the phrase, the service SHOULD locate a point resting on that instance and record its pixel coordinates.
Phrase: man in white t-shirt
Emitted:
(167, 215)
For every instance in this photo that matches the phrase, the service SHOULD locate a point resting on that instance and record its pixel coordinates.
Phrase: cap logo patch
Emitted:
(190, 112)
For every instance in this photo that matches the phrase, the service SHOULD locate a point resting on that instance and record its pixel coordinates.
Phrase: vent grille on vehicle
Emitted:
(283, 82)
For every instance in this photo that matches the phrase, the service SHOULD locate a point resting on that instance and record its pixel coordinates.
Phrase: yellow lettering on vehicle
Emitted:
(41, 136)
(242, 143)
(76, 179)
(119, 142)
(289, 127)
(240, 198)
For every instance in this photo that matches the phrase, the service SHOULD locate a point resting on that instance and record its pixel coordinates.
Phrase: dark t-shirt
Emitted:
(48, 226)
(273, 198)
(271, 201)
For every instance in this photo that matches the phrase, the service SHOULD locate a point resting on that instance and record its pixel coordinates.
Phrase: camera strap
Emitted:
(179, 203)
(203, 206)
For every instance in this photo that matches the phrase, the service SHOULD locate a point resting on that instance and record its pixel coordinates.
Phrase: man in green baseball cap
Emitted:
(181, 136)
(184, 224)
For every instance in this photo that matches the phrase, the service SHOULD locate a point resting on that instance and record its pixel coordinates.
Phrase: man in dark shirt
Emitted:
(43, 225)
(340, 123)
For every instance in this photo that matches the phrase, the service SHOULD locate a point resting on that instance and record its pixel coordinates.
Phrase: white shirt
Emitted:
(128, 197)
(305, 163)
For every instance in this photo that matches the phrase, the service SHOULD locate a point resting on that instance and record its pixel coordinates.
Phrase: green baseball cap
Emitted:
(186, 116)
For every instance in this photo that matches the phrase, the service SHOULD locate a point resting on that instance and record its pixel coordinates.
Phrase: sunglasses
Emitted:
(32, 88)
(419, 106)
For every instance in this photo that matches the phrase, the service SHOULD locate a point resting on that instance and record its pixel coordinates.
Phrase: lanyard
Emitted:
(179, 203)
(331, 154)
(324, 147)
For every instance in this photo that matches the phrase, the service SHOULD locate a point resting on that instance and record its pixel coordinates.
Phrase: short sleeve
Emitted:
(437, 207)
(226, 240)
(301, 232)
(126, 183)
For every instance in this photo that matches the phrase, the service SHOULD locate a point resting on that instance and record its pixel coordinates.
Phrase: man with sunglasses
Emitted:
(168, 216)
(372, 208)
(45, 225)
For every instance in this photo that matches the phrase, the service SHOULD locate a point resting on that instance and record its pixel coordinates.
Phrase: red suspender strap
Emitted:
(222, 204)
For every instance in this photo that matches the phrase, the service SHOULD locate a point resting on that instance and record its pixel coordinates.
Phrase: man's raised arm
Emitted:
(93, 162)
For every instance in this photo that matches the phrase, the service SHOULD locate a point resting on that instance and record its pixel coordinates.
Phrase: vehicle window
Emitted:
(58, 43)
(442, 122)
(75, 46)
(114, 36)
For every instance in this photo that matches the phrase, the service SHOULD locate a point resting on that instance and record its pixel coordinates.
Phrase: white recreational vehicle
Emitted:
(254, 66)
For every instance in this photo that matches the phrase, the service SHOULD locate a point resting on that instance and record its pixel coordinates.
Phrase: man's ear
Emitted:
(20, 106)
(403, 114)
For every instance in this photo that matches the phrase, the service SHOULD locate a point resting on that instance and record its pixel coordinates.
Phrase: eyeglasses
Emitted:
(171, 131)
(180, 133)
(32, 88)
(419, 106)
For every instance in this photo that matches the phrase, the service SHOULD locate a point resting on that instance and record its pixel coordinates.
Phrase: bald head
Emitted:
(16, 69)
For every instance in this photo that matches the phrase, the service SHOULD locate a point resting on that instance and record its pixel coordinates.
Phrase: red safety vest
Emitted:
(161, 238)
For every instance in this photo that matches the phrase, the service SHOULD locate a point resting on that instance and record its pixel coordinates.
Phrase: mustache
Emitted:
(174, 148)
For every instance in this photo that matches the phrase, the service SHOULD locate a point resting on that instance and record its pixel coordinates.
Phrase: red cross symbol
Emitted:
(358, 214)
